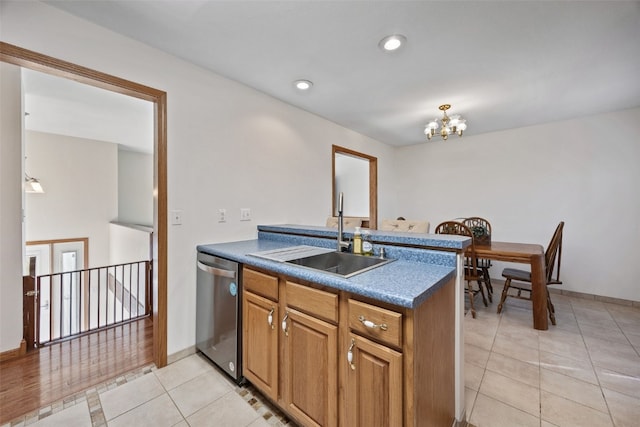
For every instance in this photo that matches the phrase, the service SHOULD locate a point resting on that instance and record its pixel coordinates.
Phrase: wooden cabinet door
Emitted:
(310, 369)
(374, 384)
(260, 343)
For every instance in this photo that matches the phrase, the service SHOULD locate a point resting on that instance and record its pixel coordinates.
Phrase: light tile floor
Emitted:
(189, 392)
(583, 372)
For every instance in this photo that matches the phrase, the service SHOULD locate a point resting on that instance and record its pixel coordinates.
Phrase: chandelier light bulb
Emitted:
(453, 124)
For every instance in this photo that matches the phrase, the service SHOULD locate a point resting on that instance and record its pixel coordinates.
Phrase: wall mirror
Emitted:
(356, 175)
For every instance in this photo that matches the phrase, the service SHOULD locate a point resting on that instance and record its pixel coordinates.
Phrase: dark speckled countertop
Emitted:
(406, 282)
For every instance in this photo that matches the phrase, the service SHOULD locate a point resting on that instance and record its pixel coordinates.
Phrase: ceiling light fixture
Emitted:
(303, 84)
(392, 43)
(448, 125)
(32, 185)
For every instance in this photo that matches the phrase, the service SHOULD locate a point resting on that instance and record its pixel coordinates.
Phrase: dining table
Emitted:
(524, 253)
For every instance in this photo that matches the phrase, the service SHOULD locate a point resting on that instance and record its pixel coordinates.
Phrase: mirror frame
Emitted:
(373, 183)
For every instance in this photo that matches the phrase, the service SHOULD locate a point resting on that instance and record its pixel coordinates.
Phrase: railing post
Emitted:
(148, 287)
(29, 303)
(37, 316)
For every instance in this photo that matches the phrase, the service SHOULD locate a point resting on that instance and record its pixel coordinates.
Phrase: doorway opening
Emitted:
(46, 64)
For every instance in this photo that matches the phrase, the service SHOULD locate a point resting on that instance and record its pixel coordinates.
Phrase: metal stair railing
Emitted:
(74, 303)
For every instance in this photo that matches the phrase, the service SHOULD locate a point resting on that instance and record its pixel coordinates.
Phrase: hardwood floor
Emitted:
(53, 372)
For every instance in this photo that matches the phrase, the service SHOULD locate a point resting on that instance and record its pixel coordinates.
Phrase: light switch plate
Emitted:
(222, 215)
(245, 214)
(176, 217)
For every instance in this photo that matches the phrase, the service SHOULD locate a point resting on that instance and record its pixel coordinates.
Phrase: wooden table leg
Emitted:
(539, 293)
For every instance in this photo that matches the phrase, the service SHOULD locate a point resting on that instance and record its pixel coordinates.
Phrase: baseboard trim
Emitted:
(181, 354)
(16, 352)
(611, 300)
(462, 422)
(583, 295)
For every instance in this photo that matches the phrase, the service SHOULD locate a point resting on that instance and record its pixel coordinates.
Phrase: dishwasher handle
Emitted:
(216, 271)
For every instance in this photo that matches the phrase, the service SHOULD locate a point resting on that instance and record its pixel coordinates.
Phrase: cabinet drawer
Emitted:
(260, 283)
(379, 323)
(313, 301)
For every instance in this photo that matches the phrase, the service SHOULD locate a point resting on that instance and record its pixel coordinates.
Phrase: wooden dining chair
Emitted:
(552, 257)
(471, 272)
(481, 229)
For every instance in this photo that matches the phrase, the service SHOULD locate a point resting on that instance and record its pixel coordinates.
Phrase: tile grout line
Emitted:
(540, 372)
(91, 397)
(593, 366)
(613, 317)
(602, 387)
(484, 369)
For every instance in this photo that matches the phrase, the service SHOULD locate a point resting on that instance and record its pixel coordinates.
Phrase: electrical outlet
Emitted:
(222, 215)
(176, 217)
(245, 214)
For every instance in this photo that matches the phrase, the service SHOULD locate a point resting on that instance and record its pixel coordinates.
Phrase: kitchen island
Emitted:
(378, 348)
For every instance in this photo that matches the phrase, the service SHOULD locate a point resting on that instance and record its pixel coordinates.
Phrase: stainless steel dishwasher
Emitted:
(218, 328)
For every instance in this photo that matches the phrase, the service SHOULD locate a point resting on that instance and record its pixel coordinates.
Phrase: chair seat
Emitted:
(552, 256)
(515, 274)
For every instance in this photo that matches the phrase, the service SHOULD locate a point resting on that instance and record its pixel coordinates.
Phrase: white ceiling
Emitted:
(66, 107)
(501, 64)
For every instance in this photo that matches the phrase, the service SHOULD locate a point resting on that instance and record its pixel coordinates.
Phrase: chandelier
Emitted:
(447, 125)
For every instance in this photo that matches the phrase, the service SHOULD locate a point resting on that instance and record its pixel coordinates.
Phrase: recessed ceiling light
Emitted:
(303, 84)
(392, 43)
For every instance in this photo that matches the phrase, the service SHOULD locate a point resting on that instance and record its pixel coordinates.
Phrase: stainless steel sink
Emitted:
(340, 263)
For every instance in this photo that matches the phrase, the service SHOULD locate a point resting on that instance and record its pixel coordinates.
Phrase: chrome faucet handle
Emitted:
(382, 253)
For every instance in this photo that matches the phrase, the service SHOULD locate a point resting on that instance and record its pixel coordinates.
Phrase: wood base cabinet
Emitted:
(374, 384)
(330, 358)
(310, 365)
(260, 314)
(260, 343)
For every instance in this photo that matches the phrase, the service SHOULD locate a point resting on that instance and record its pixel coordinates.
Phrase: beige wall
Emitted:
(10, 208)
(135, 180)
(232, 147)
(79, 177)
(229, 146)
(524, 181)
(128, 243)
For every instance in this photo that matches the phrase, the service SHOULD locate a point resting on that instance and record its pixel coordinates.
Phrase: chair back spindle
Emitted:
(553, 255)
(471, 262)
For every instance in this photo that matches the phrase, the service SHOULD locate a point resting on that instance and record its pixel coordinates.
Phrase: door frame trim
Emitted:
(51, 243)
(36, 61)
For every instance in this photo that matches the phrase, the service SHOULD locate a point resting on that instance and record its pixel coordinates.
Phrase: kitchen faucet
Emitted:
(342, 245)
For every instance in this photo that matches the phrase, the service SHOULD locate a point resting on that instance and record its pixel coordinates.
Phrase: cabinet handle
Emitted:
(350, 354)
(284, 325)
(270, 318)
(369, 324)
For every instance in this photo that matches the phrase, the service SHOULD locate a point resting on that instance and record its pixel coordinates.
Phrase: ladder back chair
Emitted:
(552, 257)
(481, 229)
(471, 273)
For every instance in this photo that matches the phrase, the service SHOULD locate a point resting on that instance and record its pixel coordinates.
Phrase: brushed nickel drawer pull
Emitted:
(350, 354)
(270, 318)
(284, 325)
(369, 324)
